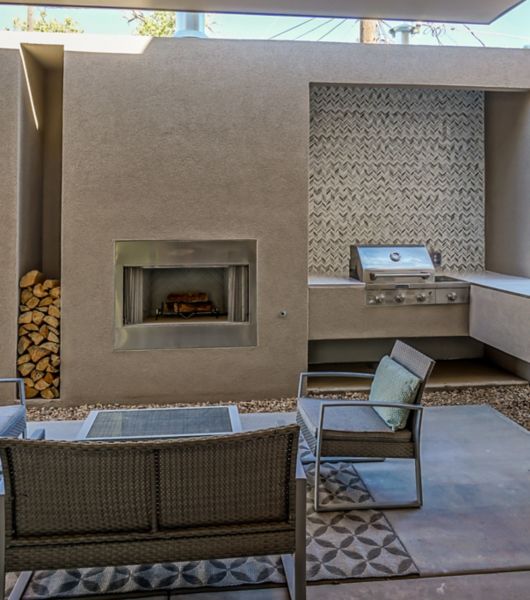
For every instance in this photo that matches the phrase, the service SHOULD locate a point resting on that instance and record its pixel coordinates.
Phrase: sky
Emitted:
(510, 31)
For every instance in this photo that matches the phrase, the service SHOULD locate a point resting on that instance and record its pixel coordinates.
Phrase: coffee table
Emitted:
(149, 423)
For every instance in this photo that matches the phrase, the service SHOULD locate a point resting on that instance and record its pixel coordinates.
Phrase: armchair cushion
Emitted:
(394, 383)
(347, 423)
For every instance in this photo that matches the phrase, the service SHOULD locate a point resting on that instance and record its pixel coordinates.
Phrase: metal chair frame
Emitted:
(416, 416)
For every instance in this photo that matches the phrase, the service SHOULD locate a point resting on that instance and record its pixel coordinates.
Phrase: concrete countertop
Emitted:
(333, 281)
(488, 279)
(510, 284)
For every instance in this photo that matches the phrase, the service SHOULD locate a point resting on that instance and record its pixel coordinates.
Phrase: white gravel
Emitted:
(513, 401)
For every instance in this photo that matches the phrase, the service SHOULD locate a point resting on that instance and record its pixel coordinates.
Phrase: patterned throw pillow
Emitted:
(394, 383)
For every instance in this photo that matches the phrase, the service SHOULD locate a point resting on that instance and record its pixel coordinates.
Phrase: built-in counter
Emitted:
(500, 312)
(337, 310)
(519, 286)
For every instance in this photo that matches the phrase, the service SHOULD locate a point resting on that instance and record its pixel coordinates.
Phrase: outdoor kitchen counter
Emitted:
(334, 280)
(497, 281)
(338, 310)
(499, 312)
(488, 279)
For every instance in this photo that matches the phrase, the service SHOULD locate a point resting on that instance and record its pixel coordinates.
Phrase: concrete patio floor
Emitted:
(471, 539)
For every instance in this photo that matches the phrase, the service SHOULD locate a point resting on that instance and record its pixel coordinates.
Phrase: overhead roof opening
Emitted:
(456, 11)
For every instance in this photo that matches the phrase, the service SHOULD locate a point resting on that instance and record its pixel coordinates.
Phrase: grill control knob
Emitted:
(379, 299)
(421, 297)
(399, 298)
(451, 296)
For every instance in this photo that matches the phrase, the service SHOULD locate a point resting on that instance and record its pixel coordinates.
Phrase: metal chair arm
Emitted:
(417, 407)
(345, 374)
(20, 383)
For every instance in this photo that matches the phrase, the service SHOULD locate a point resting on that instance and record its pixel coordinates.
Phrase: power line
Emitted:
(384, 35)
(276, 35)
(332, 30)
(314, 29)
(507, 35)
(474, 35)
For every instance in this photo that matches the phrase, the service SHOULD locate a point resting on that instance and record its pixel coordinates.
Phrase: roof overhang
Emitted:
(456, 11)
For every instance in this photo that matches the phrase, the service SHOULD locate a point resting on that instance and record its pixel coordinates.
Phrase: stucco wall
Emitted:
(9, 108)
(185, 148)
(208, 139)
(508, 188)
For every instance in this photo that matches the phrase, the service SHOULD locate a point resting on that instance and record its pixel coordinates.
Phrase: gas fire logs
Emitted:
(39, 335)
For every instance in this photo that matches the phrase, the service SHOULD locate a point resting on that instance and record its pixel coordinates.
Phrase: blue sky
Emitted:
(511, 30)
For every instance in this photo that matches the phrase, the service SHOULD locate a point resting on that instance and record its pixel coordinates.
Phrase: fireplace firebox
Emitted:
(178, 294)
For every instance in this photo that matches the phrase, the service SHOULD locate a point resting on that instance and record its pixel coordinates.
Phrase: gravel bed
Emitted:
(512, 401)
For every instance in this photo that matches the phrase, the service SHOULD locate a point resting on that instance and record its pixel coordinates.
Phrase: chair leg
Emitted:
(2, 548)
(300, 576)
(419, 483)
(21, 585)
(300, 572)
(316, 483)
(294, 567)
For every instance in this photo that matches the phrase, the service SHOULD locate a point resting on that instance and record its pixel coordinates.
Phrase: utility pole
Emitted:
(369, 31)
(30, 19)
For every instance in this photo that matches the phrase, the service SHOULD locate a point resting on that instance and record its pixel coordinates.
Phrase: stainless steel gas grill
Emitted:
(398, 275)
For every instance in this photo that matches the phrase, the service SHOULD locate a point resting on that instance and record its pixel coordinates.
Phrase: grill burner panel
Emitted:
(403, 275)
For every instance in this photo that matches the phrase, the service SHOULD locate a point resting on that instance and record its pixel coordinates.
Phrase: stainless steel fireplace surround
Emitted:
(146, 331)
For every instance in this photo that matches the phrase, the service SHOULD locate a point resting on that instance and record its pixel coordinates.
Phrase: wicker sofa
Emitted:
(88, 504)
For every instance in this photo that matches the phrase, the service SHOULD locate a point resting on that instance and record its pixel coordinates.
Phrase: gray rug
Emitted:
(340, 545)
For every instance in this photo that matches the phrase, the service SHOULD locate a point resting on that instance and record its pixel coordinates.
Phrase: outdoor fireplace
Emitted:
(175, 294)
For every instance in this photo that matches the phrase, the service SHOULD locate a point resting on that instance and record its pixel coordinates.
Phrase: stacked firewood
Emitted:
(39, 335)
(189, 302)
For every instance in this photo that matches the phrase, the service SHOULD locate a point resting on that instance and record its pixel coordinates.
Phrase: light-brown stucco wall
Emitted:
(208, 139)
(508, 183)
(9, 111)
(173, 145)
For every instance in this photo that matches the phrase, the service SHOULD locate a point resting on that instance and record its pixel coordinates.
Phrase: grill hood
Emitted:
(372, 264)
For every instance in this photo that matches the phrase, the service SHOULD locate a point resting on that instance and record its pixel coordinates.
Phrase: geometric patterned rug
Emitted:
(340, 545)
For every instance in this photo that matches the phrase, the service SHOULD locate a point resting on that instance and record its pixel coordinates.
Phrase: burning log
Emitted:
(39, 335)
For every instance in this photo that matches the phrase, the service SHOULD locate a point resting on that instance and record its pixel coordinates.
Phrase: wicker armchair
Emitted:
(88, 504)
(352, 430)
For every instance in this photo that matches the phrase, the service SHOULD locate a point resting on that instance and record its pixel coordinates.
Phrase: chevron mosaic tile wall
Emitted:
(396, 165)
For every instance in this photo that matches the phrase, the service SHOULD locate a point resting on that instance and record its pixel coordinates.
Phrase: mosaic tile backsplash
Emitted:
(396, 165)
